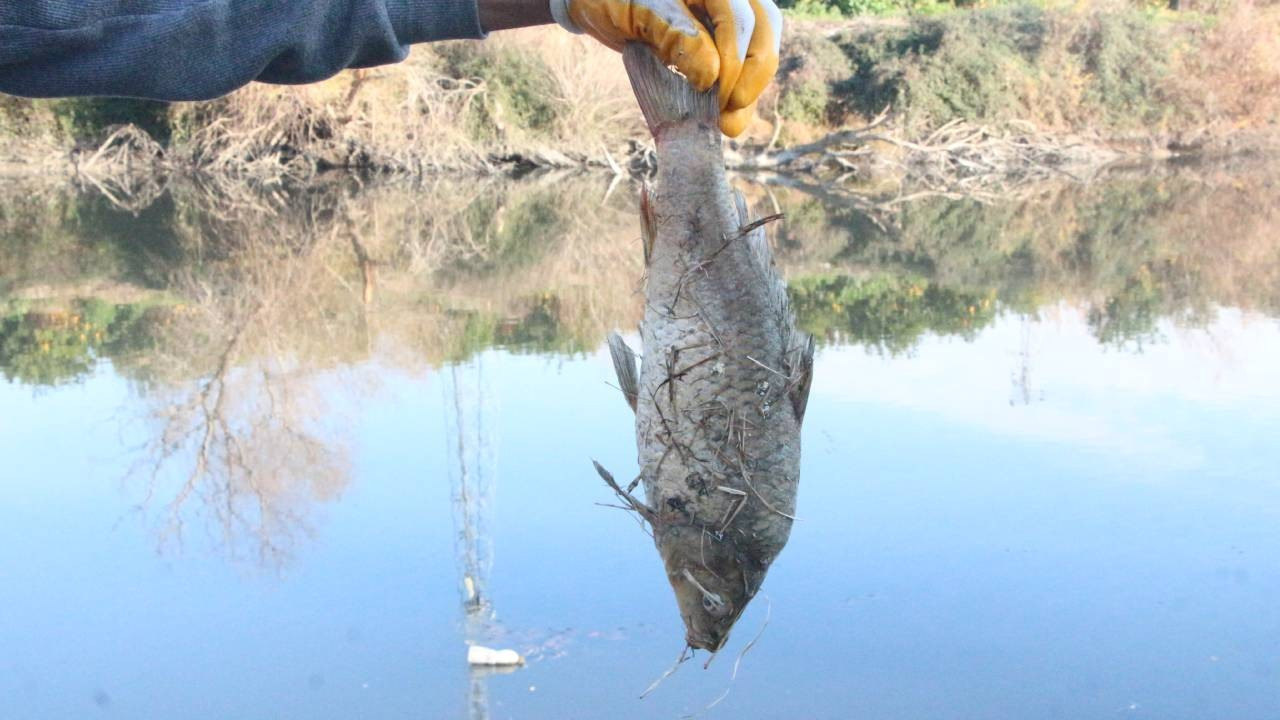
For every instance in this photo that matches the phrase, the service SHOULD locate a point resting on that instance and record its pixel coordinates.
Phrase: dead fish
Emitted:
(720, 393)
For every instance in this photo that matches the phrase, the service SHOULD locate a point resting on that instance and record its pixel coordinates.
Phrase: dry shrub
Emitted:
(592, 90)
(1230, 74)
(425, 271)
(398, 117)
(543, 97)
(450, 106)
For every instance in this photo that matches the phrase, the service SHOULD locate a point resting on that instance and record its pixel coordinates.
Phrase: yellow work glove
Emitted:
(740, 51)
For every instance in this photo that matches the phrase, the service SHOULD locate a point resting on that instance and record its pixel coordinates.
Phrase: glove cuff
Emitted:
(560, 11)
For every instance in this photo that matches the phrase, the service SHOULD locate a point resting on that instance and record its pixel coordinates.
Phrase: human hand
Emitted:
(740, 51)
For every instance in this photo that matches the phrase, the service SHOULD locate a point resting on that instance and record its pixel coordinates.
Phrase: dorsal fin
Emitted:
(624, 366)
(801, 373)
(740, 202)
(798, 360)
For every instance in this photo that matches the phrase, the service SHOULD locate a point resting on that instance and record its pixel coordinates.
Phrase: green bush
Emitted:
(812, 66)
(541, 328)
(49, 348)
(1127, 62)
(1013, 61)
(962, 65)
(89, 119)
(520, 90)
(828, 9)
(890, 312)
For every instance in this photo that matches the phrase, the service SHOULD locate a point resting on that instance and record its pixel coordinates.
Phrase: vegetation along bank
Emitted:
(867, 90)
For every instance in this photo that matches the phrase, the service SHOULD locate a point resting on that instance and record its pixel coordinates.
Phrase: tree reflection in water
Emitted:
(236, 313)
(240, 414)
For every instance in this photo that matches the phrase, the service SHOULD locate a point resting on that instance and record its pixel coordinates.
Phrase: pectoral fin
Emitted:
(626, 368)
(801, 376)
(648, 223)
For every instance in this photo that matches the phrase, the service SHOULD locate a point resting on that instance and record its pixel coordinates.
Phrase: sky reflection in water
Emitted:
(1007, 519)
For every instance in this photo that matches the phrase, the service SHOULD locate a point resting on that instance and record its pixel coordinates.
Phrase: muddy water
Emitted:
(283, 456)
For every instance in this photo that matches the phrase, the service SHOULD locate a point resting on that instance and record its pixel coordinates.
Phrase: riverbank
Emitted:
(982, 96)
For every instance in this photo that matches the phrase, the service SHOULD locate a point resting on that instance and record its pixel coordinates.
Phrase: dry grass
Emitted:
(1232, 77)
(450, 106)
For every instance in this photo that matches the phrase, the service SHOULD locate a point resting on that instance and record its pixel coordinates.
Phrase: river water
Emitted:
(285, 454)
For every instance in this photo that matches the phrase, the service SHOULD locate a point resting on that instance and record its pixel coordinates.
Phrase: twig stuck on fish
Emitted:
(644, 510)
(639, 520)
(779, 373)
(711, 597)
(746, 477)
(673, 356)
(732, 512)
(738, 661)
(702, 554)
(666, 426)
(670, 313)
(702, 264)
(746, 229)
(684, 656)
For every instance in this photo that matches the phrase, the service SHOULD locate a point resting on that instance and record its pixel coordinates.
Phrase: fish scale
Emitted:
(721, 390)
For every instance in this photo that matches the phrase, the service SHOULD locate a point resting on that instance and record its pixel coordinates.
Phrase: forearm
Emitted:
(508, 14)
(51, 48)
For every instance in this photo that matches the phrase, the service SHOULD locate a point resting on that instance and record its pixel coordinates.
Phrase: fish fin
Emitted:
(665, 97)
(755, 238)
(648, 222)
(758, 241)
(801, 374)
(798, 362)
(624, 365)
(740, 201)
(644, 510)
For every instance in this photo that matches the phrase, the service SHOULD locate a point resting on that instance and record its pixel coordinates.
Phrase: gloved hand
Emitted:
(741, 50)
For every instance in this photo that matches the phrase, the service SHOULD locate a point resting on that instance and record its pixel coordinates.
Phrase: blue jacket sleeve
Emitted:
(200, 49)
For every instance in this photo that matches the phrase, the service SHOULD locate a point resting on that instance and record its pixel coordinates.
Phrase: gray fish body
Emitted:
(723, 382)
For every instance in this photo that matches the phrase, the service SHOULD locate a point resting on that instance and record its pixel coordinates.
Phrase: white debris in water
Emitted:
(480, 655)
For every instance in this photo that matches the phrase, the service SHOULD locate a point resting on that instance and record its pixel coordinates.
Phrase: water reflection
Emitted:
(236, 316)
(252, 332)
(449, 269)
(470, 440)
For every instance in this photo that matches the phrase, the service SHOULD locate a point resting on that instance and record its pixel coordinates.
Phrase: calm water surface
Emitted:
(287, 460)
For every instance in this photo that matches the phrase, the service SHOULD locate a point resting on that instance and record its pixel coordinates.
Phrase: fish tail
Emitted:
(665, 97)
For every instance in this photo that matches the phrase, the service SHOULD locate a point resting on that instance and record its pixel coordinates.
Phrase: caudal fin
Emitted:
(665, 97)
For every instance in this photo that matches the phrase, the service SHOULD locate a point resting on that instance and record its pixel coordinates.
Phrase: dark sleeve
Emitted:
(200, 49)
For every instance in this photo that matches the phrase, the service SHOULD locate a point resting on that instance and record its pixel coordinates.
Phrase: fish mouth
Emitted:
(700, 638)
(704, 642)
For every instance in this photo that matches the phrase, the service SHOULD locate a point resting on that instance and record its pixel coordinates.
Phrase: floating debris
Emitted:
(481, 655)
